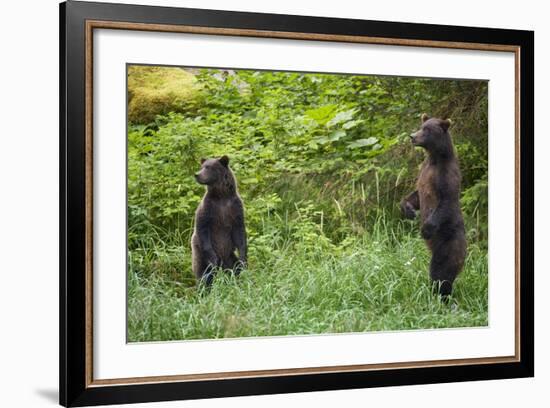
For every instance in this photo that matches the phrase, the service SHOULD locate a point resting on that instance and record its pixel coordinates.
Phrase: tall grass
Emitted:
(305, 285)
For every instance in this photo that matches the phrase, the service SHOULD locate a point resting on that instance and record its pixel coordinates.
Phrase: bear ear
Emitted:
(424, 117)
(445, 124)
(224, 160)
(203, 160)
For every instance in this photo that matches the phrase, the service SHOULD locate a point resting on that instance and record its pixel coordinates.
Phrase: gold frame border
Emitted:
(98, 24)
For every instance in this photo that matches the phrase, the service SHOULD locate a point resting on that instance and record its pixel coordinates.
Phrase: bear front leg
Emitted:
(448, 198)
(409, 205)
(205, 239)
(438, 220)
(428, 228)
(238, 236)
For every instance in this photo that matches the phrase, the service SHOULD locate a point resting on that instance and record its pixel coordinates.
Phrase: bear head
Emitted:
(433, 136)
(213, 171)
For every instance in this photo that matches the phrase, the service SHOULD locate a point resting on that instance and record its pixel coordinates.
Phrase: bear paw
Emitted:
(408, 211)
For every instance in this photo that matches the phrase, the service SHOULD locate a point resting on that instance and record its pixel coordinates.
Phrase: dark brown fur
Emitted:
(437, 197)
(219, 222)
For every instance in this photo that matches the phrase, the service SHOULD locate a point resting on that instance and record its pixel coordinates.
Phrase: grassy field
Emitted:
(375, 282)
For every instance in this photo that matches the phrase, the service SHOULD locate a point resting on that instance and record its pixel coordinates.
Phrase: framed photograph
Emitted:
(256, 204)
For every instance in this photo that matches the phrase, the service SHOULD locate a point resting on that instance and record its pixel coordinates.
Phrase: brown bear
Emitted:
(219, 222)
(437, 197)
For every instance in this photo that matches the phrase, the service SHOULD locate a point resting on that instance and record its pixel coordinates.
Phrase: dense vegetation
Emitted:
(322, 162)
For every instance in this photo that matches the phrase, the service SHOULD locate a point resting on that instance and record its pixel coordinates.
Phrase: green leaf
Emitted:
(322, 114)
(250, 180)
(362, 142)
(337, 135)
(340, 117)
(352, 124)
(322, 140)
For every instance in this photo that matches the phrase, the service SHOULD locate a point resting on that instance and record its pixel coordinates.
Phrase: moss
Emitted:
(156, 91)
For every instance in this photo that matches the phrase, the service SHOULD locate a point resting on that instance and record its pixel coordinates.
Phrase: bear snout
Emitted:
(418, 138)
(198, 178)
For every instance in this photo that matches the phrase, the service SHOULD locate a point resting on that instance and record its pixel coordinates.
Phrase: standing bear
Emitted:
(437, 197)
(219, 222)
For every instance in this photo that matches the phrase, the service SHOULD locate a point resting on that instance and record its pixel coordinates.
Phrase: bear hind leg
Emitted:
(203, 271)
(447, 261)
(231, 264)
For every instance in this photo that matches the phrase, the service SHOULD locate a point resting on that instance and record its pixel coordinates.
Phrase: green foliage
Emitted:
(322, 162)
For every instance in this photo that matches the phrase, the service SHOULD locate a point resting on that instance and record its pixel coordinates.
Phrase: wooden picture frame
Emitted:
(78, 20)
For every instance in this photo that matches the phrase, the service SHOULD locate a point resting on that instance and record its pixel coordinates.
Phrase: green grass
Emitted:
(370, 282)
